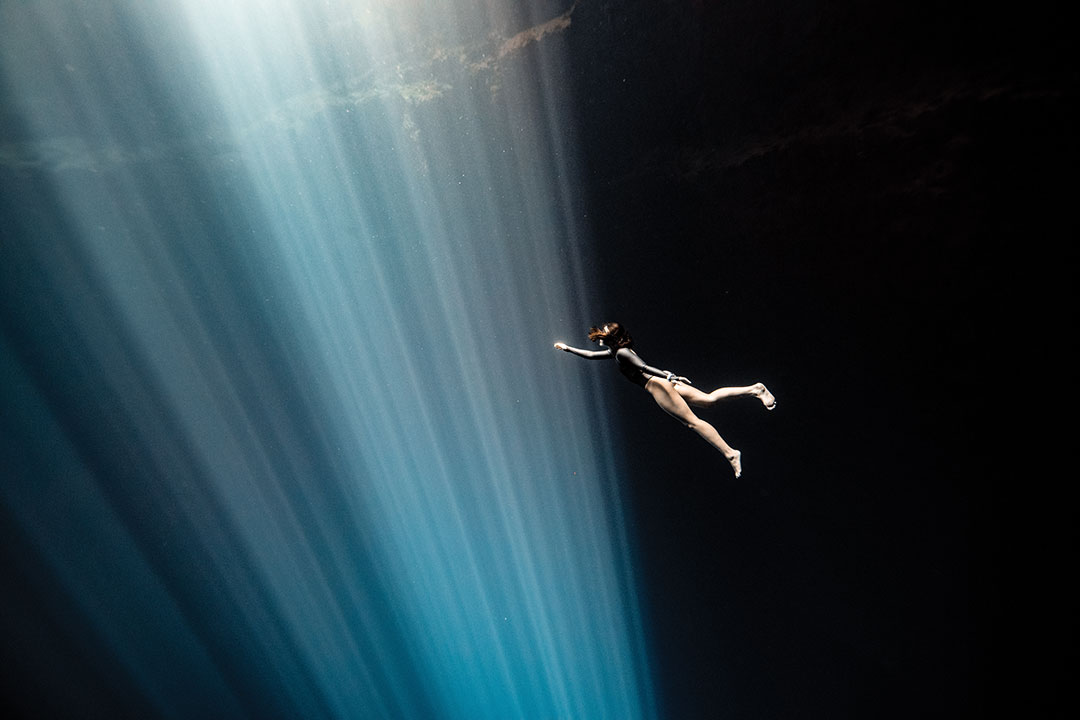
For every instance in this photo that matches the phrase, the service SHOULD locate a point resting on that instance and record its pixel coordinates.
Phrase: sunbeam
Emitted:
(284, 435)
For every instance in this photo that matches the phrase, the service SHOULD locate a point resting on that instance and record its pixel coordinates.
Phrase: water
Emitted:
(284, 434)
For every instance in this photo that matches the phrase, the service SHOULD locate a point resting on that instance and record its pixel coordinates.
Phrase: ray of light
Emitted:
(280, 283)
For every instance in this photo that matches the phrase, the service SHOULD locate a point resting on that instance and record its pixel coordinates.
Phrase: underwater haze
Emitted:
(283, 434)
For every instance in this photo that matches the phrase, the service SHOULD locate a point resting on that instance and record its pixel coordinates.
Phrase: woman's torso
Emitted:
(624, 357)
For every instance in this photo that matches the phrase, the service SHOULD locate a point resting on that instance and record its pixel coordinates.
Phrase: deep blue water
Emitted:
(283, 432)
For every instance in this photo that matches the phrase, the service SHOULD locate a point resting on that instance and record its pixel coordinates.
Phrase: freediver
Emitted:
(673, 393)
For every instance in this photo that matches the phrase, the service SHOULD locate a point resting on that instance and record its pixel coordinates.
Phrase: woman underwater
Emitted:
(673, 393)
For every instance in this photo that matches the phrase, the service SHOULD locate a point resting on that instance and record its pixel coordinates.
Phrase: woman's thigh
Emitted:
(692, 395)
(669, 400)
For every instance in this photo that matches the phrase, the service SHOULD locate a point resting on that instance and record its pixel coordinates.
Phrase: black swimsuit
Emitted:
(630, 365)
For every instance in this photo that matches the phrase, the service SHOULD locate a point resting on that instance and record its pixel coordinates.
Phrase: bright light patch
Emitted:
(287, 277)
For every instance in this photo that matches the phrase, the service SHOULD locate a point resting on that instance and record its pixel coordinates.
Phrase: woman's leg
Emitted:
(698, 398)
(672, 403)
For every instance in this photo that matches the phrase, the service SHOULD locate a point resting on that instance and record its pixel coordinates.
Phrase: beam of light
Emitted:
(281, 280)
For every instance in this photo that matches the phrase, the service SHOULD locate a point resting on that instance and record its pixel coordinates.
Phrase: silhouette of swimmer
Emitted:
(673, 393)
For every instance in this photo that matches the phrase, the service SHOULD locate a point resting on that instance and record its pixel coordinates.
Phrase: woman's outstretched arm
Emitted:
(587, 354)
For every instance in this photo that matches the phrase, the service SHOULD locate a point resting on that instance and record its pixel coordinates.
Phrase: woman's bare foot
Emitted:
(736, 463)
(765, 396)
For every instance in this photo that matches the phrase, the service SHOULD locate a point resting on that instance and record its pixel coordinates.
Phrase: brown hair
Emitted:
(613, 334)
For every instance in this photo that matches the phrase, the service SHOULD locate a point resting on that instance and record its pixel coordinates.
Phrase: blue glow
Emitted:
(286, 427)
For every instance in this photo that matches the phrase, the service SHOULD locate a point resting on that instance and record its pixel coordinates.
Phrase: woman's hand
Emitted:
(561, 346)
